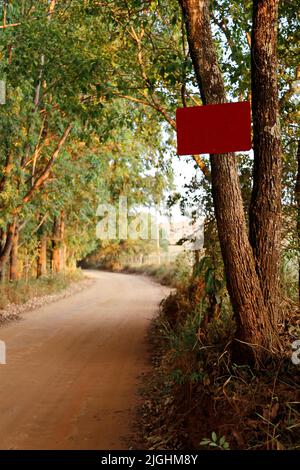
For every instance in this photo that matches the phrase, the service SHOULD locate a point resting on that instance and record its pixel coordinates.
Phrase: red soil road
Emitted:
(71, 378)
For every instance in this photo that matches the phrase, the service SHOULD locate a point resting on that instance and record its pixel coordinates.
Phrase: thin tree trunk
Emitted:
(243, 284)
(196, 260)
(42, 256)
(62, 251)
(2, 238)
(14, 273)
(5, 252)
(265, 206)
(55, 257)
(297, 197)
(58, 247)
(2, 243)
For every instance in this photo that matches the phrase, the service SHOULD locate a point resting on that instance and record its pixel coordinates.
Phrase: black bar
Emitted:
(146, 459)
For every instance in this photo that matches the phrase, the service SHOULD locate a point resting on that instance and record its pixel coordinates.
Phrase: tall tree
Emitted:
(14, 273)
(265, 207)
(297, 197)
(254, 327)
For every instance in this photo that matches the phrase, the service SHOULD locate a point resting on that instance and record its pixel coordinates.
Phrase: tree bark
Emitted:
(5, 251)
(14, 273)
(2, 238)
(62, 251)
(265, 206)
(43, 177)
(42, 257)
(253, 327)
(297, 197)
(55, 259)
(58, 247)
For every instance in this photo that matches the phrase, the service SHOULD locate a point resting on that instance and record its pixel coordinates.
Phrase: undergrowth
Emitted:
(172, 274)
(198, 398)
(175, 273)
(19, 292)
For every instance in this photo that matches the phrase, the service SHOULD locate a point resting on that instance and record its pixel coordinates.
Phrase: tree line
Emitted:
(92, 89)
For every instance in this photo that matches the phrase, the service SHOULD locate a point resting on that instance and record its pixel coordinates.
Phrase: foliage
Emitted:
(109, 76)
(19, 292)
(194, 388)
(220, 443)
(54, 66)
(175, 273)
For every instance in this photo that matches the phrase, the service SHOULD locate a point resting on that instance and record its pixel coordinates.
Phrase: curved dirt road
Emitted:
(70, 381)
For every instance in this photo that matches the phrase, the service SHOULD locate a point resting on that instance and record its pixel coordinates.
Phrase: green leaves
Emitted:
(64, 69)
(214, 442)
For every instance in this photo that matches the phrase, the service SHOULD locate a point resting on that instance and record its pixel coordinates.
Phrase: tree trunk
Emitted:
(2, 238)
(42, 257)
(253, 326)
(5, 251)
(55, 258)
(2, 243)
(58, 246)
(265, 206)
(14, 274)
(196, 260)
(297, 197)
(62, 251)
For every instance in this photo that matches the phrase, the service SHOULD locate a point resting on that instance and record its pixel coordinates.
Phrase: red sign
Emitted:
(214, 128)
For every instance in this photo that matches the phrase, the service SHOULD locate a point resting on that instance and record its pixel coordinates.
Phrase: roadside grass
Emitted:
(172, 274)
(19, 292)
(197, 397)
(175, 273)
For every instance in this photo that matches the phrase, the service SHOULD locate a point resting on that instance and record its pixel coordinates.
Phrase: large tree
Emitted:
(244, 269)
(265, 208)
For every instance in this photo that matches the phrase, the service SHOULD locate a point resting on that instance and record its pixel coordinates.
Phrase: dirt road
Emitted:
(70, 381)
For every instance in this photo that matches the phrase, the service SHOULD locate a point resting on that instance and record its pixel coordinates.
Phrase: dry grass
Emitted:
(176, 274)
(196, 389)
(19, 292)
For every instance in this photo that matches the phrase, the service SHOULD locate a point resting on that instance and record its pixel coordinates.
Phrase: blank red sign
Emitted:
(214, 128)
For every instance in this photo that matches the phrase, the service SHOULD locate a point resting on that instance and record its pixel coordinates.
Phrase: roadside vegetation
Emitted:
(91, 92)
(19, 292)
(175, 274)
(69, 141)
(197, 396)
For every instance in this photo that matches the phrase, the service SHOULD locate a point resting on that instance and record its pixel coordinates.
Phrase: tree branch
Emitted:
(46, 172)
